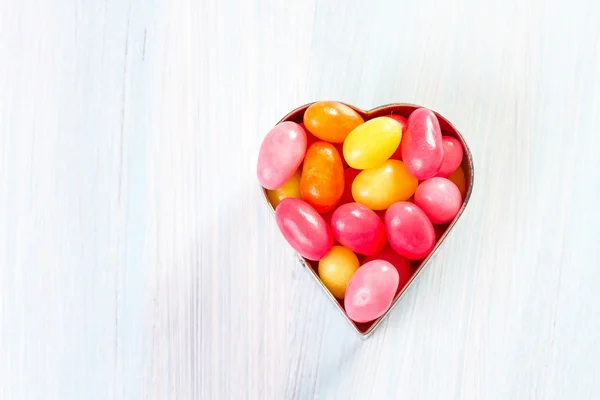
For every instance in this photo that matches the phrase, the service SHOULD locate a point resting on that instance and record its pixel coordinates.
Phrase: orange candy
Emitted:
(322, 179)
(331, 121)
(458, 178)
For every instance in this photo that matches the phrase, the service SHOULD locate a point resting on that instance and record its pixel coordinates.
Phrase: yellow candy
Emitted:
(371, 143)
(337, 268)
(380, 187)
(289, 189)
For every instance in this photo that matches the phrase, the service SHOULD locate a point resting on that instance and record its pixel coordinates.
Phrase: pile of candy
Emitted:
(362, 198)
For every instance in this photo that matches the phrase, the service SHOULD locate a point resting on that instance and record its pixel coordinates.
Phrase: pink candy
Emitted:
(422, 150)
(280, 155)
(401, 264)
(304, 228)
(371, 291)
(409, 231)
(358, 228)
(453, 154)
(439, 199)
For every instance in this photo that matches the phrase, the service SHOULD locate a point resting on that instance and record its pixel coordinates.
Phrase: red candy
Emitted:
(409, 231)
(453, 154)
(439, 199)
(303, 228)
(358, 228)
(422, 150)
(371, 291)
(401, 264)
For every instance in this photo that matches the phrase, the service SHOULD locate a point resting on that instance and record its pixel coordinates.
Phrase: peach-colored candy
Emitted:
(371, 291)
(422, 150)
(459, 179)
(453, 154)
(280, 155)
(439, 199)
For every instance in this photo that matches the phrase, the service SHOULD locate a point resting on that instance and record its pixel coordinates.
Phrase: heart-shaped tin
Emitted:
(404, 110)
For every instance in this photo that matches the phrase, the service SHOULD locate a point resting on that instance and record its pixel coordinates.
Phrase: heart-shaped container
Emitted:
(404, 110)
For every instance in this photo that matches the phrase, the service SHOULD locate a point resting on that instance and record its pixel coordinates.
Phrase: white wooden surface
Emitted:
(137, 259)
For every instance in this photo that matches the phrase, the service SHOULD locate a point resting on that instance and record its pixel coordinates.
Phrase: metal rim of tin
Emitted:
(468, 169)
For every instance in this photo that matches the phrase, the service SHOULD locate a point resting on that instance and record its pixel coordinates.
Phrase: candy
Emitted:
(422, 149)
(401, 264)
(453, 154)
(403, 123)
(336, 269)
(322, 179)
(458, 178)
(439, 199)
(358, 228)
(380, 187)
(280, 154)
(372, 143)
(331, 121)
(349, 175)
(289, 189)
(409, 231)
(371, 291)
(304, 229)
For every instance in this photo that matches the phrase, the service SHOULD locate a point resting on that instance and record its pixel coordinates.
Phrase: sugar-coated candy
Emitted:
(322, 179)
(372, 143)
(336, 269)
(422, 149)
(453, 154)
(331, 121)
(358, 228)
(458, 178)
(380, 187)
(349, 175)
(439, 199)
(289, 189)
(409, 231)
(304, 228)
(371, 291)
(401, 264)
(403, 123)
(280, 154)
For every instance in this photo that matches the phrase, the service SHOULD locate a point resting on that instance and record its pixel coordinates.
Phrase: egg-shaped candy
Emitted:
(322, 179)
(439, 199)
(459, 179)
(409, 231)
(280, 154)
(371, 291)
(304, 228)
(331, 121)
(373, 142)
(380, 187)
(453, 154)
(422, 149)
(403, 123)
(336, 269)
(401, 264)
(289, 189)
(358, 228)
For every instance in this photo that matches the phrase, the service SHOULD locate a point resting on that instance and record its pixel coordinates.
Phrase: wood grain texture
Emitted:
(138, 261)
